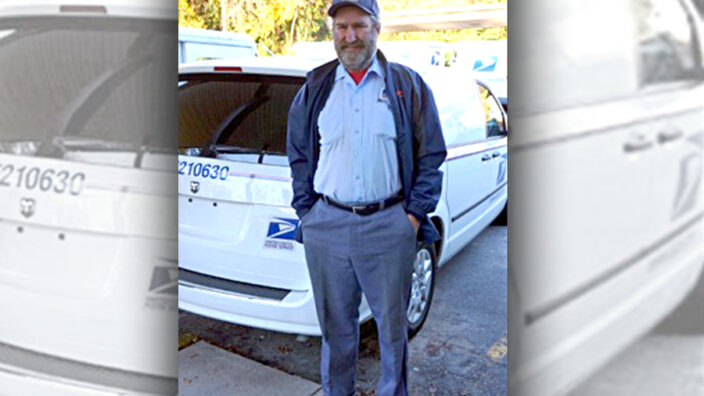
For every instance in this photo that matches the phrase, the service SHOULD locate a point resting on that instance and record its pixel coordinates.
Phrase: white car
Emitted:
(87, 214)
(238, 261)
(489, 61)
(607, 209)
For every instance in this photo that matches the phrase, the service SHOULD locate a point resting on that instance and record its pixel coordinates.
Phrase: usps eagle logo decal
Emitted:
(281, 232)
(486, 64)
(162, 294)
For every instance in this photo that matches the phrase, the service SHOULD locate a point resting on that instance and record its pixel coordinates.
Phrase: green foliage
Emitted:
(277, 24)
(209, 10)
(187, 17)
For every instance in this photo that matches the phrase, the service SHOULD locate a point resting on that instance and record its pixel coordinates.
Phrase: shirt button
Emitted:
(356, 154)
(357, 131)
(356, 177)
(356, 110)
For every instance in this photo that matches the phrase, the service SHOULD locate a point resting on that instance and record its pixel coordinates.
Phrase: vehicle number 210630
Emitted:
(48, 180)
(203, 170)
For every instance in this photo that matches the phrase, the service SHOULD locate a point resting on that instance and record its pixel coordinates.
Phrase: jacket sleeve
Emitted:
(429, 152)
(297, 142)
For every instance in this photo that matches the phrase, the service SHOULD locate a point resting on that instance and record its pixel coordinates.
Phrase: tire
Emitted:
(502, 218)
(422, 287)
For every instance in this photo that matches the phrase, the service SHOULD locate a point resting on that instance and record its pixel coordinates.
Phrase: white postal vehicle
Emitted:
(607, 219)
(238, 261)
(87, 215)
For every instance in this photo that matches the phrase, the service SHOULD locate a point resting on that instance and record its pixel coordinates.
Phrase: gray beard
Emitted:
(356, 62)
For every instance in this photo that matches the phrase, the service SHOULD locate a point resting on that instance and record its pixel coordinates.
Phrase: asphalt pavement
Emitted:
(461, 350)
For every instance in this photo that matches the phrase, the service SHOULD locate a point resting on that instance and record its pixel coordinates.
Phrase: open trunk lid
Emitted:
(235, 218)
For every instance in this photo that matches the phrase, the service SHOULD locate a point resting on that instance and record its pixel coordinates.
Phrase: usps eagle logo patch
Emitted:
(281, 232)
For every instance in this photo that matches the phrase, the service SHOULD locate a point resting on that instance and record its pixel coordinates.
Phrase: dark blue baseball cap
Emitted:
(371, 7)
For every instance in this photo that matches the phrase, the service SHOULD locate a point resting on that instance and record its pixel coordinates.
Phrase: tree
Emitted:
(187, 17)
(277, 24)
(209, 11)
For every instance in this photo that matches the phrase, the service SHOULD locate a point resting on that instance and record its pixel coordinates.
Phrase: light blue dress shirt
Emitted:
(358, 162)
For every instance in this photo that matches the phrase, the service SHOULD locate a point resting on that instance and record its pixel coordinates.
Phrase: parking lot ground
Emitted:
(461, 350)
(205, 369)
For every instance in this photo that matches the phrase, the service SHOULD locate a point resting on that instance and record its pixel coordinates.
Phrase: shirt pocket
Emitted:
(330, 125)
(383, 124)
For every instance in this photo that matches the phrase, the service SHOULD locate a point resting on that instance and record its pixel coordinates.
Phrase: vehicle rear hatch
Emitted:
(235, 218)
(87, 230)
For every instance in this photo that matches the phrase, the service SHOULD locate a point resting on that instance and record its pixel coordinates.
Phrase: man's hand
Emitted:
(414, 222)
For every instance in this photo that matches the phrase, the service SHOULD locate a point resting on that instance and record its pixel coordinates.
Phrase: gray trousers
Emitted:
(348, 254)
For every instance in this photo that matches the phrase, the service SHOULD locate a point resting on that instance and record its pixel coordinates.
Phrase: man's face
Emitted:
(355, 35)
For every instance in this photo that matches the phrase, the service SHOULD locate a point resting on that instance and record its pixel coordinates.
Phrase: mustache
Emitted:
(354, 44)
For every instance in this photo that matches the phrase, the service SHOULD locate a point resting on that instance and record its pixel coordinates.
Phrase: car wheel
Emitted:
(502, 218)
(422, 287)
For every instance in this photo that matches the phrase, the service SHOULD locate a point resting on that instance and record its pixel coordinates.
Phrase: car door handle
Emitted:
(495, 154)
(638, 143)
(669, 135)
(486, 157)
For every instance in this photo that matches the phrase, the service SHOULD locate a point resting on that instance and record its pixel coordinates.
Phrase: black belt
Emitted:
(364, 210)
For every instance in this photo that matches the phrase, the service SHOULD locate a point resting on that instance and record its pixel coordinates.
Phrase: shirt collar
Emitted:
(341, 73)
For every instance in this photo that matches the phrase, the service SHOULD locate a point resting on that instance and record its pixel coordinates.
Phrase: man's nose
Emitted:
(350, 35)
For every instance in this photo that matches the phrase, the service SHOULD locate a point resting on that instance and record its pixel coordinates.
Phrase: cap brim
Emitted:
(335, 7)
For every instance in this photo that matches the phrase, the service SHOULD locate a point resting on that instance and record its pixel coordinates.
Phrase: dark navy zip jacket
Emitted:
(419, 144)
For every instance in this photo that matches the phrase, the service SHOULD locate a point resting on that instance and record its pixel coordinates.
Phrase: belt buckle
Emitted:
(357, 209)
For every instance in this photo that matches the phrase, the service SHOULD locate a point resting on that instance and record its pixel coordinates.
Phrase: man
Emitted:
(364, 145)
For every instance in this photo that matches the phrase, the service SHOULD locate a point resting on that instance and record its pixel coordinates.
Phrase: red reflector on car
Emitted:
(228, 68)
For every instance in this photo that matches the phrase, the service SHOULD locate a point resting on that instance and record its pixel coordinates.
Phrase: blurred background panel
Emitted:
(606, 205)
(88, 241)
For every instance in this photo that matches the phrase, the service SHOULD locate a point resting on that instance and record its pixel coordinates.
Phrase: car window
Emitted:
(667, 43)
(461, 112)
(68, 82)
(494, 117)
(585, 56)
(242, 114)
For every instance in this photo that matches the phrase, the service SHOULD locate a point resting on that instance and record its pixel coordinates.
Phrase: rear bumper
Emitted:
(294, 313)
(125, 324)
(16, 383)
(35, 374)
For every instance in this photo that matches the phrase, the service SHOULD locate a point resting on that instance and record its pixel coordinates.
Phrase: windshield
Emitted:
(241, 117)
(73, 84)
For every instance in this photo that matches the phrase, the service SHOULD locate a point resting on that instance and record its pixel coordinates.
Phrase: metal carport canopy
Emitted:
(446, 18)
